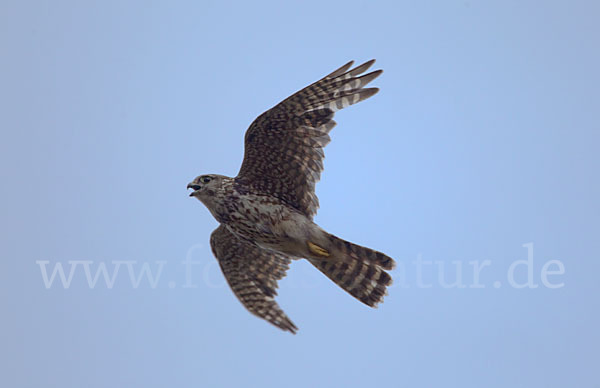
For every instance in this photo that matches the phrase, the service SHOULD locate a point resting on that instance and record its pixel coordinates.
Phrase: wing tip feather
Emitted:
(339, 71)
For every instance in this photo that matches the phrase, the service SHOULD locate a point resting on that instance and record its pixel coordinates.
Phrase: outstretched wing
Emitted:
(252, 274)
(283, 154)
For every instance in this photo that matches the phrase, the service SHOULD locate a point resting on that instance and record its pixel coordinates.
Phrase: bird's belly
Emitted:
(274, 227)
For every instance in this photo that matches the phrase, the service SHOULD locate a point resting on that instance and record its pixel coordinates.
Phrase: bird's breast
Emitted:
(262, 219)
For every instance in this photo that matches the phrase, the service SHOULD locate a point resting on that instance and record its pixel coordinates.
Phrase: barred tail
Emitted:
(358, 270)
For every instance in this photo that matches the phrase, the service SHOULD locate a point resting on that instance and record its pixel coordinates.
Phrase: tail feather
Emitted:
(363, 280)
(347, 248)
(358, 270)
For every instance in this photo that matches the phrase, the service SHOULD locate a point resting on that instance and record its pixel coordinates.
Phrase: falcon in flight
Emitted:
(266, 211)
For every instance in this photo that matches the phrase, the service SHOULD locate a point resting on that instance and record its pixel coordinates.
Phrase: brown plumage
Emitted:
(252, 274)
(266, 211)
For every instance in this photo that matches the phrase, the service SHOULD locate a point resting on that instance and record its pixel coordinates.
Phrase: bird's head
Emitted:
(205, 186)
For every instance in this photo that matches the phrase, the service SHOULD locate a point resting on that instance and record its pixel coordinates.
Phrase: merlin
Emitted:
(266, 212)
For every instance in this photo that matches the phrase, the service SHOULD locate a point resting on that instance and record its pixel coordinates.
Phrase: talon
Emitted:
(317, 250)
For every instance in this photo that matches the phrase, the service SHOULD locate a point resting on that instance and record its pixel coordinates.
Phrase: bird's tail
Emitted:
(358, 270)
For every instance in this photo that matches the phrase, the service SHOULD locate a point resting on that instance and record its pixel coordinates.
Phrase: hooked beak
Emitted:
(194, 186)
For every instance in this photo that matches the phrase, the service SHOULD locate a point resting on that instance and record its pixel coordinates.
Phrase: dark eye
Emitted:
(205, 179)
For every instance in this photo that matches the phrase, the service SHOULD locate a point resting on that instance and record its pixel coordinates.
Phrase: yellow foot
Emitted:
(317, 250)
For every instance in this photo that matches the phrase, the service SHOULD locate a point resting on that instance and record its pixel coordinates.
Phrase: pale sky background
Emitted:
(484, 138)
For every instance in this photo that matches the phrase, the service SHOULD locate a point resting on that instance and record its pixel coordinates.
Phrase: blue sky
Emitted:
(481, 150)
